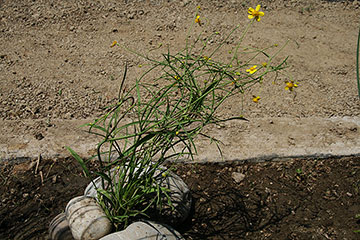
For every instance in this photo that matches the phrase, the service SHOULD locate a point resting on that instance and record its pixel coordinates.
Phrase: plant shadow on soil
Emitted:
(297, 199)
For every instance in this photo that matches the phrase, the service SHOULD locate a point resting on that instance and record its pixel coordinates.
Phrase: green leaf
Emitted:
(80, 161)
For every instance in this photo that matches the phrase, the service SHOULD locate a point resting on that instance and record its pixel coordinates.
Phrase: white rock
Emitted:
(145, 230)
(87, 220)
(179, 195)
(59, 228)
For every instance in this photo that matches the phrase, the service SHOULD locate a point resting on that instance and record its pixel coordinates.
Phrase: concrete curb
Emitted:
(259, 140)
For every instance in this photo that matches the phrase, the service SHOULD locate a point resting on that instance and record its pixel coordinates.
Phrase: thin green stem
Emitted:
(240, 41)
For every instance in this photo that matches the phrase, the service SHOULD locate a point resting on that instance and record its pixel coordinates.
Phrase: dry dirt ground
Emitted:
(57, 71)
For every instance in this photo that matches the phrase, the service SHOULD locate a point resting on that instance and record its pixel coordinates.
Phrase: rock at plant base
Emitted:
(87, 220)
(59, 228)
(179, 194)
(145, 230)
(91, 191)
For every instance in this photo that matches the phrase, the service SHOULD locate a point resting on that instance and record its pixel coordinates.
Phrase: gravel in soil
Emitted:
(297, 199)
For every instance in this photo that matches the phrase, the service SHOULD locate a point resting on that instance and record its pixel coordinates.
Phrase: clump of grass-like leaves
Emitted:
(159, 117)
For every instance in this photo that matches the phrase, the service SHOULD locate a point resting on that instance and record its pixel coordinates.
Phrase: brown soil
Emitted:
(296, 199)
(56, 61)
(56, 66)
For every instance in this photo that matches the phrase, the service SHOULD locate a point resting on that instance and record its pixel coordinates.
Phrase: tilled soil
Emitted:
(297, 199)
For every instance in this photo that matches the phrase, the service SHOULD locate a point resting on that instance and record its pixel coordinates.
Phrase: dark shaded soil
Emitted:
(297, 199)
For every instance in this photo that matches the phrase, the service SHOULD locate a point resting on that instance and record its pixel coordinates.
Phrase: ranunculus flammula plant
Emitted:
(175, 98)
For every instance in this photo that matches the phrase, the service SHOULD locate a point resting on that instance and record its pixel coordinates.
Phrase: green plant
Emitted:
(159, 117)
(357, 216)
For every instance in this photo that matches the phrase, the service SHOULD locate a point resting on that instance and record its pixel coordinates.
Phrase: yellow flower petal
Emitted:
(114, 43)
(252, 69)
(256, 99)
(255, 13)
(290, 85)
(197, 20)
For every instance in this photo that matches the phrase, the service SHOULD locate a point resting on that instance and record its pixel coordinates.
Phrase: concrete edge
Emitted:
(271, 158)
(259, 159)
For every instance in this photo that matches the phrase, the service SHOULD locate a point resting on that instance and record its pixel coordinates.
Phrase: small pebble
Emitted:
(238, 177)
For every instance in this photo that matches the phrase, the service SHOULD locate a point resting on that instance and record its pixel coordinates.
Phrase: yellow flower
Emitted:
(256, 99)
(264, 64)
(252, 69)
(177, 133)
(255, 13)
(197, 20)
(290, 85)
(206, 58)
(177, 77)
(114, 43)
